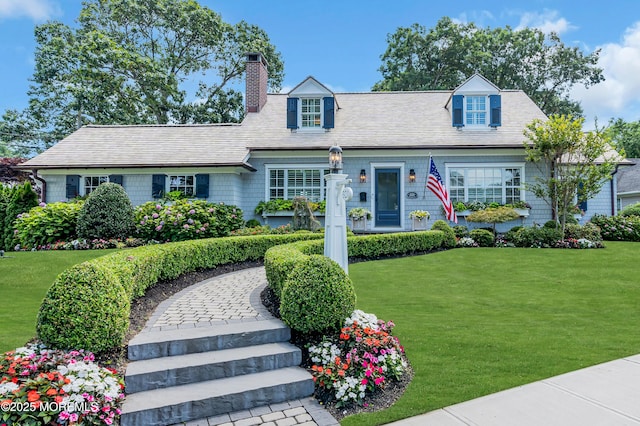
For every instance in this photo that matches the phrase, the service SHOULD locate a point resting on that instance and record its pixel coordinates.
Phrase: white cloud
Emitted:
(617, 96)
(38, 10)
(479, 18)
(548, 21)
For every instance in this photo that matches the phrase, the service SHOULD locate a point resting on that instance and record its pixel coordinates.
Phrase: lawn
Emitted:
(477, 321)
(25, 278)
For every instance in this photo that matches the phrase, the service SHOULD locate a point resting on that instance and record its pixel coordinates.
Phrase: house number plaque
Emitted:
(412, 195)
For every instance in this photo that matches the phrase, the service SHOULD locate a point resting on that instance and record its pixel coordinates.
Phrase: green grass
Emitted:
(25, 278)
(477, 321)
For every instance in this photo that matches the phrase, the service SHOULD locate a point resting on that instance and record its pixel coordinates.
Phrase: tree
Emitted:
(573, 164)
(442, 57)
(493, 216)
(625, 136)
(138, 62)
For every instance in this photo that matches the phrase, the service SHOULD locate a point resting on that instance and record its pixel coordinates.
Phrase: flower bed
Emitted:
(43, 386)
(363, 359)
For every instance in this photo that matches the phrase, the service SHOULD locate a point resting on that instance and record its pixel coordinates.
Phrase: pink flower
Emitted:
(378, 380)
(192, 211)
(158, 207)
(73, 417)
(364, 382)
(155, 215)
(159, 228)
(185, 226)
(64, 415)
(108, 420)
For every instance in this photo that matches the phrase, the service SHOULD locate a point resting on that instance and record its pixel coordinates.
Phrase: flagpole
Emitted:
(426, 177)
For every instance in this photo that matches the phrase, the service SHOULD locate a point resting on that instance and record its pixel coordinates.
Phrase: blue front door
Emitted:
(387, 212)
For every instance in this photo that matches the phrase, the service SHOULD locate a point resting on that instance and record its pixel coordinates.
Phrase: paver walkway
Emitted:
(226, 299)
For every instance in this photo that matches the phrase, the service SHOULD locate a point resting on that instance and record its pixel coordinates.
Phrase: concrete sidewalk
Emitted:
(606, 394)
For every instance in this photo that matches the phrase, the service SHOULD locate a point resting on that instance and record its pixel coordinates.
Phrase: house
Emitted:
(628, 179)
(474, 133)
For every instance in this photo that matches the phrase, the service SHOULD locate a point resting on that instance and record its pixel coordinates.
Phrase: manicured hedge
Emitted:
(280, 261)
(88, 305)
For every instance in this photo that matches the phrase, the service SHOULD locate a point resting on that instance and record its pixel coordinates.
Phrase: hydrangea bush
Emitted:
(186, 220)
(363, 359)
(53, 387)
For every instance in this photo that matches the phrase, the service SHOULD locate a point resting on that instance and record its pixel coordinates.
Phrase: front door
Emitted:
(387, 212)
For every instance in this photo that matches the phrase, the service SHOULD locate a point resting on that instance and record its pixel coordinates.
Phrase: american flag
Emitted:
(434, 183)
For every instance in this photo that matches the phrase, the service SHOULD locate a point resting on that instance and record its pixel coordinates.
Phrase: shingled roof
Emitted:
(629, 177)
(376, 120)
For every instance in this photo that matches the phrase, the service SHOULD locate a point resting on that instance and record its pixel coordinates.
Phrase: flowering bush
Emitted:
(186, 220)
(361, 360)
(42, 386)
(467, 242)
(618, 228)
(580, 243)
(47, 223)
(419, 214)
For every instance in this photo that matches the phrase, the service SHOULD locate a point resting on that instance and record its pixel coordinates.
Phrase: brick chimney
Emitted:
(256, 90)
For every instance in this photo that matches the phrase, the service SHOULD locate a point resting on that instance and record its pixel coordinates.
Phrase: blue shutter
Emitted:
(583, 204)
(292, 113)
(496, 110)
(329, 112)
(202, 186)
(73, 186)
(457, 105)
(116, 179)
(157, 186)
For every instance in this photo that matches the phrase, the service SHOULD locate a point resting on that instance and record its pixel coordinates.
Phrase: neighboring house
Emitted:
(280, 150)
(628, 178)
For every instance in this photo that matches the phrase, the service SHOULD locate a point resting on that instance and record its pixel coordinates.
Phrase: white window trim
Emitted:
(167, 185)
(267, 176)
(487, 111)
(514, 165)
(83, 187)
(311, 129)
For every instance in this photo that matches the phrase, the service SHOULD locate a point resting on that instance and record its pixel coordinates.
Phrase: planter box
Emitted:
(359, 224)
(522, 212)
(419, 224)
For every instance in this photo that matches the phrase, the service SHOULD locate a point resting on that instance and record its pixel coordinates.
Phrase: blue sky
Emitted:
(340, 41)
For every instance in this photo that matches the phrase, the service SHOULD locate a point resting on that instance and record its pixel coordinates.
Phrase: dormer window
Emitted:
(311, 113)
(311, 107)
(476, 103)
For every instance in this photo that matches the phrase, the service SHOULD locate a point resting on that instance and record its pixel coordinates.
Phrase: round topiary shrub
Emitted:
(449, 234)
(85, 308)
(483, 237)
(317, 297)
(107, 214)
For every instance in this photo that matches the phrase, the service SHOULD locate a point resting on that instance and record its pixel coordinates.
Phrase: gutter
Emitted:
(43, 185)
(613, 194)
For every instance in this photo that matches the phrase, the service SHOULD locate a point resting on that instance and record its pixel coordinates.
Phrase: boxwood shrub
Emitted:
(106, 214)
(450, 235)
(88, 305)
(317, 296)
(483, 237)
(631, 210)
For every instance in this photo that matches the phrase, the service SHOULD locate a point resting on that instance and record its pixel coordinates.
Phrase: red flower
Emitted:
(33, 396)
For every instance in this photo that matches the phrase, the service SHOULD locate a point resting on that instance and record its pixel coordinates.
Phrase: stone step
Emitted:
(156, 344)
(179, 370)
(214, 397)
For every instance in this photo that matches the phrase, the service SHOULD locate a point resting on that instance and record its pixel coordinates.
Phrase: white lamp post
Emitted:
(335, 225)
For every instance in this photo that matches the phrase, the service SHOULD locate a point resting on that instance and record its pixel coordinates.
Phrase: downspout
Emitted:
(43, 185)
(613, 194)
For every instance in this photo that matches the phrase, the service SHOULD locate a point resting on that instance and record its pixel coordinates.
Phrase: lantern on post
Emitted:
(335, 159)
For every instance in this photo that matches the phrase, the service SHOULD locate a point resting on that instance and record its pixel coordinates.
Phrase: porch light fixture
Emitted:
(412, 176)
(335, 159)
(363, 176)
